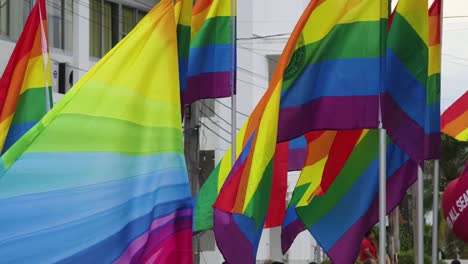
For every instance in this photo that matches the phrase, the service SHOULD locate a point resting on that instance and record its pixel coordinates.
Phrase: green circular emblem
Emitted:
(297, 60)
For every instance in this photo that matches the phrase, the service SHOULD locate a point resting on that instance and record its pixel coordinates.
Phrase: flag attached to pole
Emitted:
(25, 91)
(183, 13)
(333, 80)
(210, 69)
(405, 100)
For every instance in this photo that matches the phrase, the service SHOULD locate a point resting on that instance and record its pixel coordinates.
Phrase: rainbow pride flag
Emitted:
(212, 57)
(406, 96)
(240, 196)
(339, 218)
(241, 206)
(183, 13)
(25, 91)
(333, 80)
(432, 122)
(455, 119)
(102, 177)
(297, 153)
(328, 151)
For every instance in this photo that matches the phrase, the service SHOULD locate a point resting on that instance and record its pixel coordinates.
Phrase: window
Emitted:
(104, 25)
(27, 7)
(3, 17)
(140, 15)
(110, 26)
(128, 20)
(60, 23)
(95, 29)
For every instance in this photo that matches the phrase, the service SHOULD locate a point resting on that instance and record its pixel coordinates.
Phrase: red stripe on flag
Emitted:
(277, 205)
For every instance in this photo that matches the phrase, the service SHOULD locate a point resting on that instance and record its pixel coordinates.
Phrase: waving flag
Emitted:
(241, 195)
(432, 122)
(333, 80)
(297, 153)
(25, 92)
(455, 119)
(339, 218)
(405, 101)
(212, 58)
(183, 13)
(102, 177)
(328, 151)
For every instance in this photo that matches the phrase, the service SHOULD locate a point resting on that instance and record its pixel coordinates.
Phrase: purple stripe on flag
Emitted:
(297, 158)
(208, 85)
(432, 146)
(138, 243)
(403, 130)
(347, 248)
(159, 235)
(289, 233)
(235, 247)
(328, 113)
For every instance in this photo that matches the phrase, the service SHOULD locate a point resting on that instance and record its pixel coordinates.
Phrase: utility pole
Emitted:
(192, 150)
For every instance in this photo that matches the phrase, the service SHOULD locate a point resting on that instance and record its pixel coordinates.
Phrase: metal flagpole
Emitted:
(382, 174)
(420, 217)
(435, 213)
(45, 62)
(233, 80)
(435, 205)
(382, 194)
(396, 233)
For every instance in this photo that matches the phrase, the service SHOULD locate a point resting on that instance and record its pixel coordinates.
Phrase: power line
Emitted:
(221, 137)
(266, 36)
(220, 117)
(216, 124)
(253, 84)
(257, 75)
(260, 54)
(458, 63)
(450, 17)
(267, 50)
(228, 107)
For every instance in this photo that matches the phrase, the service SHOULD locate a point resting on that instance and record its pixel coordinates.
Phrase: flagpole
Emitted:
(435, 213)
(435, 204)
(233, 80)
(382, 194)
(45, 62)
(383, 171)
(420, 217)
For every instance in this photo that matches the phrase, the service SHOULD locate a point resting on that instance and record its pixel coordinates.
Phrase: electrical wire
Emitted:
(212, 131)
(220, 117)
(228, 107)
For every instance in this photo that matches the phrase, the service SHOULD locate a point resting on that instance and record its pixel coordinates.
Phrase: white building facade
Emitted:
(82, 31)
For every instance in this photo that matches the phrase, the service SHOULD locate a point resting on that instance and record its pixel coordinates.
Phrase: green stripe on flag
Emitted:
(203, 216)
(363, 155)
(412, 52)
(73, 133)
(215, 30)
(345, 41)
(31, 106)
